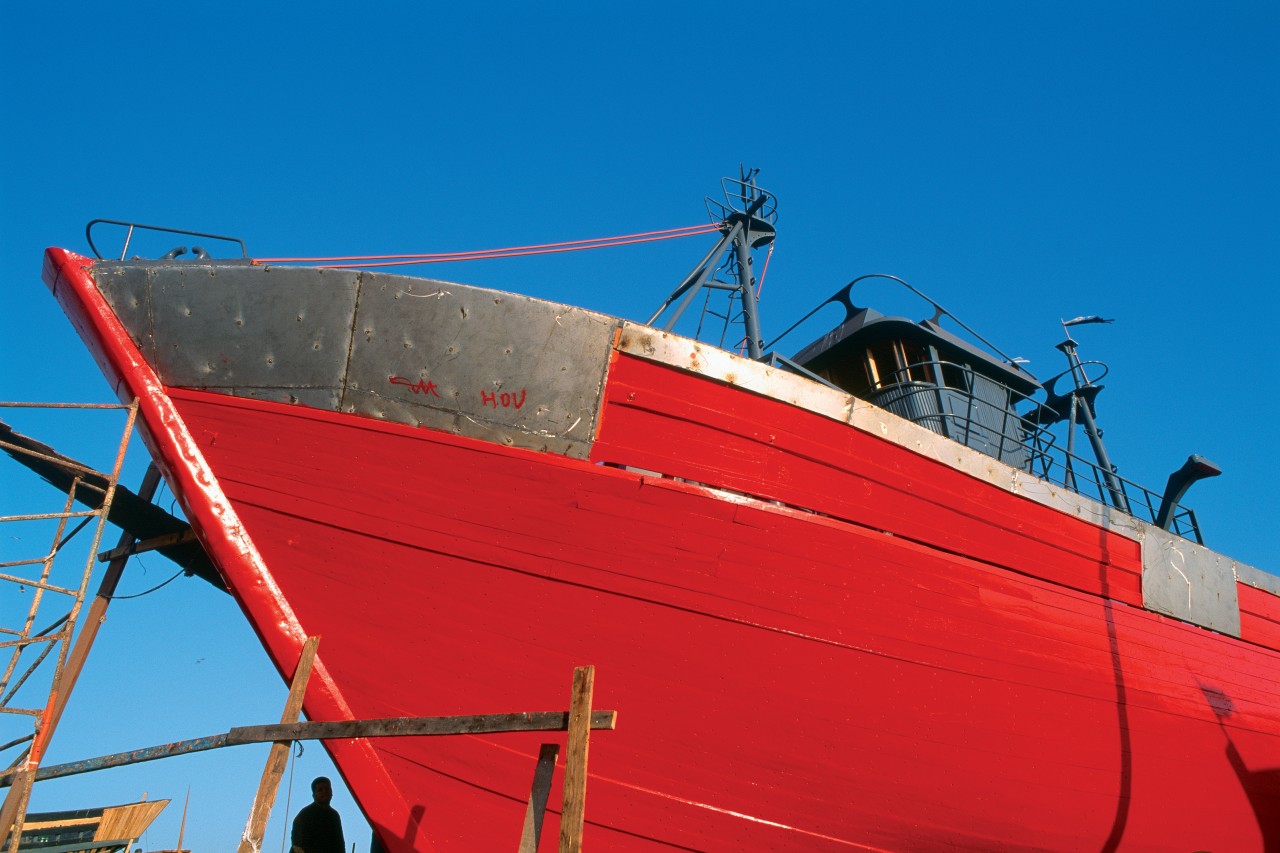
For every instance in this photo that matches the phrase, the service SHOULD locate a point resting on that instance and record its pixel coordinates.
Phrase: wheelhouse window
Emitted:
(893, 362)
(916, 360)
(882, 364)
(957, 376)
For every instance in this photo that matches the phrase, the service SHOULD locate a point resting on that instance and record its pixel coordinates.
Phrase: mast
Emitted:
(746, 220)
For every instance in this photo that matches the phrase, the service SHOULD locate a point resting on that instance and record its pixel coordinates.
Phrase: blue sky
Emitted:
(1020, 162)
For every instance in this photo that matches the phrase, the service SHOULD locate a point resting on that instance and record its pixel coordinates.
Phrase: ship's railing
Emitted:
(131, 227)
(994, 419)
(741, 196)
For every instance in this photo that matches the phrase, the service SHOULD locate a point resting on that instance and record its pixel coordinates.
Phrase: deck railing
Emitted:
(992, 418)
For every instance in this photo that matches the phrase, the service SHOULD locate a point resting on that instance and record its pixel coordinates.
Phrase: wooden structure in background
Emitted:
(103, 830)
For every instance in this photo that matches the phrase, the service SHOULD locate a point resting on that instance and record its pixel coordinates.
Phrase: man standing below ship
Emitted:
(318, 827)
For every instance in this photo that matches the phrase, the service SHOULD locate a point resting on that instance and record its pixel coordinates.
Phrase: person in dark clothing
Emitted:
(318, 827)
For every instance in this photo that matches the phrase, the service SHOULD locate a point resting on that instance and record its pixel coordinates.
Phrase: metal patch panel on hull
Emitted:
(474, 362)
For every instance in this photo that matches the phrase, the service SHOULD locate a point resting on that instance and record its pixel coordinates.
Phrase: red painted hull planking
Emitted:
(875, 652)
(1259, 616)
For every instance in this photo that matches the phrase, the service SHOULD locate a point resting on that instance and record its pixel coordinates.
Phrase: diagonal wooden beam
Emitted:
(278, 759)
(538, 796)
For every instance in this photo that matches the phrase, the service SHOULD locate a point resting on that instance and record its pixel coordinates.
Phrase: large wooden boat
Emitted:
(856, 599)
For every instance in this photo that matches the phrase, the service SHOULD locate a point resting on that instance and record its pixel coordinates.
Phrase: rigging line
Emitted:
(149, 591)
(288, 796)
(764, 271)
(494, 254)
(669, 233)
(487, 254)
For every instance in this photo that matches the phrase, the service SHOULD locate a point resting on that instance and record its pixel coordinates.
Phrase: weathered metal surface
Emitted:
(127, 289)
(253, 328)
(1258, 579)
(481, 363)
(509, 369)
(276, 334)
(1189, 582)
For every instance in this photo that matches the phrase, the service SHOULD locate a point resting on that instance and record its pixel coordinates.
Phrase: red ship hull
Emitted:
(816, 638)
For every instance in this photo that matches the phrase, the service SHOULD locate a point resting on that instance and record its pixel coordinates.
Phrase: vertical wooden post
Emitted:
(256, 827)
(575, 770)
(538, 795)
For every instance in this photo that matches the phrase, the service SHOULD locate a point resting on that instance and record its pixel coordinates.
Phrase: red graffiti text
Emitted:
(503, 399)
(422, 386)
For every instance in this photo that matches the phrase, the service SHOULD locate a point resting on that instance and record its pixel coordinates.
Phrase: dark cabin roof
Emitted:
(850, 339)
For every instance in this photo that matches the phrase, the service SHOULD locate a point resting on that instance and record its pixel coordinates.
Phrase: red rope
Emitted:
(764, 272)
(484, 254)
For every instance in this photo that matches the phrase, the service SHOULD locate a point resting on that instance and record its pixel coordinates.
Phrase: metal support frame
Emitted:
(38, 574)
(746, 221)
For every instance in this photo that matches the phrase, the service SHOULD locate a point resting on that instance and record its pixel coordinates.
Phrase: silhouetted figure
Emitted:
(318, 827)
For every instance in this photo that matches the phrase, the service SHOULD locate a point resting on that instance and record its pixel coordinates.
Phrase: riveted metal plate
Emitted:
(276, 334)
(244, 328)
(127, 290)
(477, 362)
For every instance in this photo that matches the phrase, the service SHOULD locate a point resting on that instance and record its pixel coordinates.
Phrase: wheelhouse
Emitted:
(923, 373)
